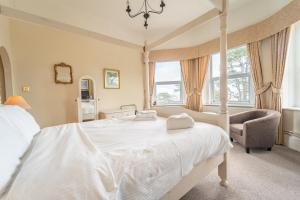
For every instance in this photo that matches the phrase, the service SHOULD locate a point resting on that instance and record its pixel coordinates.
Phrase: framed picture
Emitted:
(111, 79)
(84, 83)
(63, 73)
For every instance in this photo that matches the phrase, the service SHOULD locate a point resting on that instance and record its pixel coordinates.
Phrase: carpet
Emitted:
(260, 175)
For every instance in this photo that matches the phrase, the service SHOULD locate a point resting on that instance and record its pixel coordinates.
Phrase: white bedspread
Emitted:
(113, 159)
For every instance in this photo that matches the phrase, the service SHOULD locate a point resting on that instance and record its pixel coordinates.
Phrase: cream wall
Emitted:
(37, 48)
(5, 33)
(6, 53)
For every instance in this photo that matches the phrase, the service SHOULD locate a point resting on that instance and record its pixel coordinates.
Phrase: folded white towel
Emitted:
(180, 121)
(146, 115)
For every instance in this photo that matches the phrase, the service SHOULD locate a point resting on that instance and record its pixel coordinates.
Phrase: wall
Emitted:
(291, 128)
(5, 54)
(37, 48)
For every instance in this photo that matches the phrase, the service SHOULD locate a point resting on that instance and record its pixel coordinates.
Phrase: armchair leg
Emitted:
(269, 149)
(247, 150)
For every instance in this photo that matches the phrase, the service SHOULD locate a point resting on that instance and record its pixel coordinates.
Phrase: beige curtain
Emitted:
(151, 80)
(254, 53)
(193, 73)
(279, 44)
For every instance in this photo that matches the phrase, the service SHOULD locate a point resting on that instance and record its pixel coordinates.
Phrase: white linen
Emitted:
(17, 128)
(146, 115)
(22, 120)
(137, 160)
(180, 121)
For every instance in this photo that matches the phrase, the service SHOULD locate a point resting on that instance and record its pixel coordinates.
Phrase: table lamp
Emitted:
(19, 101)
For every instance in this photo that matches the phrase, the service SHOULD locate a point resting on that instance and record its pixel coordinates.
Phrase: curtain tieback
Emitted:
(276, 90)
(263, 89)
(194, 93)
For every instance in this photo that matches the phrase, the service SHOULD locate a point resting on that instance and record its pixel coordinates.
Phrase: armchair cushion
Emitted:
(237, 129)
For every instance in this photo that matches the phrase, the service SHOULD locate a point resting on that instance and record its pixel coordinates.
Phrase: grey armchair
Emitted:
(255, 129)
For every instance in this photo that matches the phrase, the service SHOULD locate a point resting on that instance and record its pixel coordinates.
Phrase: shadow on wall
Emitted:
(6, 85)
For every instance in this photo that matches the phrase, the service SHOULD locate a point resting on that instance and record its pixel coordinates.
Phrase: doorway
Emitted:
(2, 83)
(6, 83)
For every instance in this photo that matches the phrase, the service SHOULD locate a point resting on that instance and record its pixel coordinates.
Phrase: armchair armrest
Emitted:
(240, 118)
(261, 130)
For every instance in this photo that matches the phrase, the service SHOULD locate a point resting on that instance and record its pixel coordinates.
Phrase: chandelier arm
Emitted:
(136, 14)
(153, 10)
(157, 12)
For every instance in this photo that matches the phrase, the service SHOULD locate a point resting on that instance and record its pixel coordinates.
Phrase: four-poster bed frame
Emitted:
(220, 119)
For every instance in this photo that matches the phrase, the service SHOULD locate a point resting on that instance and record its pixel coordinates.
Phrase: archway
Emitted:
(2, 83)
(5, 74)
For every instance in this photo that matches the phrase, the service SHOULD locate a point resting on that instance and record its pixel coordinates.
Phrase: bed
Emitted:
(115, 159)
(119, 159)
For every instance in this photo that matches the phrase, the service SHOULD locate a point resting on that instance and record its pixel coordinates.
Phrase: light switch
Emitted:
(25, 88)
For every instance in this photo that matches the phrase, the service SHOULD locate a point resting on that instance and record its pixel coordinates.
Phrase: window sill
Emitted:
(291, 108)
(153, 106)
(232, 106)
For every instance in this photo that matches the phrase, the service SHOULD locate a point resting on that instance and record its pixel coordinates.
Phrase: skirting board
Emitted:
(292, 142)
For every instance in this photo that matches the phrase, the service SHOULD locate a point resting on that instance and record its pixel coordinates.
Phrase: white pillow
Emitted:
(21, 120)
(17, 128)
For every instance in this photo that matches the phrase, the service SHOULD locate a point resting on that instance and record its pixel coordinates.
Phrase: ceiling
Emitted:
(108, 17)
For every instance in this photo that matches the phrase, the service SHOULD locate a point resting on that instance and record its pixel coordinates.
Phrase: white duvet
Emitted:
(113, 159)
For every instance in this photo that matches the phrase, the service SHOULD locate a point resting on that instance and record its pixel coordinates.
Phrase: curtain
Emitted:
(254, 53)
(193, 73)
(151, 80)
(279, 44)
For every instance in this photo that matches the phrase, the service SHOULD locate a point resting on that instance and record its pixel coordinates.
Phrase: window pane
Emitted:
(237, 61)
(239, 84)
(168, 93)
(238, 90)
(216, 91)
(167, 71)
(215, 64)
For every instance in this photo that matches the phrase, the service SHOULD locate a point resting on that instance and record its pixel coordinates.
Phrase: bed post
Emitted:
(146, 82)
(222, 168)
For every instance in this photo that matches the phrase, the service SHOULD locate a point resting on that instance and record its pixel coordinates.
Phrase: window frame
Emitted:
(210, 86)
(157, 83)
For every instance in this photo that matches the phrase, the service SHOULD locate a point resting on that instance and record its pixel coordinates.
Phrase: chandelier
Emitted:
(145, 10)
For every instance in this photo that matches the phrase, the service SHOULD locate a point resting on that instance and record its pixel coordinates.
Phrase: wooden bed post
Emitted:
(147, 91)
(222, 168)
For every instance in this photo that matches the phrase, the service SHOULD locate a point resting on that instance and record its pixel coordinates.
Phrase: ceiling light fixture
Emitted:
(145, 10)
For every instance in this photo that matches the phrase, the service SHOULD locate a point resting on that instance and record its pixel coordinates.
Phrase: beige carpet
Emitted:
(260, 175)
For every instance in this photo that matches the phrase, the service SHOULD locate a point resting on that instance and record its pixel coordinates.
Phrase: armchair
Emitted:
(255, 129)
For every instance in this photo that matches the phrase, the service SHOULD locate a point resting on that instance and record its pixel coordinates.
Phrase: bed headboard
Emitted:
(221, 120)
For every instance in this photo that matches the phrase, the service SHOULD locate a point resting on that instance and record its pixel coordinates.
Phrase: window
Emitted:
(168, 88)
(240, 90)
(291, 81)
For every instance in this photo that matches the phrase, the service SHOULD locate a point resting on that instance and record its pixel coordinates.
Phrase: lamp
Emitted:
(19, 101)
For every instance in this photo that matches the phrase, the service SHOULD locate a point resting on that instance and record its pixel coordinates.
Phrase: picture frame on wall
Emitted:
(111, 79)
(63, 73)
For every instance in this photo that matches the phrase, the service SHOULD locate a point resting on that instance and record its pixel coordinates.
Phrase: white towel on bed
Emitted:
(180, 121)
(146, 115)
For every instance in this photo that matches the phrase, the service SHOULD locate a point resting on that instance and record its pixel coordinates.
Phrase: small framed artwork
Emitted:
(111, 79)
(84, 84)
(63, 73)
